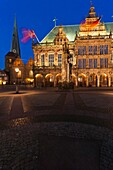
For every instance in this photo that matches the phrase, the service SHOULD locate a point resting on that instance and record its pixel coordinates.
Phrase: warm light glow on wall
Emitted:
(30, 80)
(2, 82)
(38, 75)
(31, 73)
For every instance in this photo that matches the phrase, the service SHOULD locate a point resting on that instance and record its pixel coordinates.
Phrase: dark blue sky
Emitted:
(39, 14)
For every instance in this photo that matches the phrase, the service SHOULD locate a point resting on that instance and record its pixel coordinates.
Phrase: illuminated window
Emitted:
(106, 49)
(106, 62)
(95, 50)
(95, 63)
(80, 63)
(31, 73)
(90, 50)
(103, 62)
(103, 49)
(10, 60)
(19, 74)
(59, 59)
(51, 59)
(42, 60)
(90, 63)
(84, 63)
(82, 50)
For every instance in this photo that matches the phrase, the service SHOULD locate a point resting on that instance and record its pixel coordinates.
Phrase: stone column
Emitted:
(67, 75)
(54, 81)
(34, 76)
(64, 71)
(98, 81)
(44, 80)
(109, 81)
(76, 81)
(87, 81)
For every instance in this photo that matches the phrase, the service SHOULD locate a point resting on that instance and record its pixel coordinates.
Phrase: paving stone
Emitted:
(23, 138)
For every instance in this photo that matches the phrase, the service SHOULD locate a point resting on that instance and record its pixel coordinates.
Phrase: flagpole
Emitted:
(27, 34)
(37, 38)
(54, 20)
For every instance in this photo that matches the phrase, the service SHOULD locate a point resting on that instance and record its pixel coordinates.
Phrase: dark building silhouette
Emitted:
(11, 56)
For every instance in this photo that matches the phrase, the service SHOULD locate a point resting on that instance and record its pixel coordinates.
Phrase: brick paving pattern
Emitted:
(21, 145)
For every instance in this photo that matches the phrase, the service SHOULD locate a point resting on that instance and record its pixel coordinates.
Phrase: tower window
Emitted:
(10, 60)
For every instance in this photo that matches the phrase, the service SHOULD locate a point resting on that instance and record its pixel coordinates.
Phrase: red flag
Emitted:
(27, 34)
(95, 23)
(91, 25)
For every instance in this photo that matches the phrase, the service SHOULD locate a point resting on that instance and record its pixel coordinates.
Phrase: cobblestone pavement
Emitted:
(21, 142)
(96, 104)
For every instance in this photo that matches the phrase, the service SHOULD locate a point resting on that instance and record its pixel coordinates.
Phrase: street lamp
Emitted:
(17, 71)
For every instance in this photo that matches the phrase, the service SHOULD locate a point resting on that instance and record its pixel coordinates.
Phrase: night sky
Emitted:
(39, 14)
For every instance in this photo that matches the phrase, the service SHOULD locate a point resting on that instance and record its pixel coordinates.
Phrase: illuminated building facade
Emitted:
(3, 78)
(82, 54)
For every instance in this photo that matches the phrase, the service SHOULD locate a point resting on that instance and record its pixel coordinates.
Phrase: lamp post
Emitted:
(17, 70)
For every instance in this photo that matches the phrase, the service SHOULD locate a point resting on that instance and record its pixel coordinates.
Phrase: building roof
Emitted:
(70, 31)
(12, 54)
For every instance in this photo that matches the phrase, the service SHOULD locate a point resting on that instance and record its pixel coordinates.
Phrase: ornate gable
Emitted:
(18, 62)
(92, 26)
(60, 37)
(30, 62)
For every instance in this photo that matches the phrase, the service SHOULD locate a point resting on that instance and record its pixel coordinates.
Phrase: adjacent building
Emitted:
(3, 77)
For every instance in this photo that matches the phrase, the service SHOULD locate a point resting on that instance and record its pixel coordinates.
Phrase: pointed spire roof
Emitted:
(15, 46)
(92, 13)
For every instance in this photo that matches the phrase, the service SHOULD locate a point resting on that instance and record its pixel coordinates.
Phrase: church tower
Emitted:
(15, 46)
(14, 52)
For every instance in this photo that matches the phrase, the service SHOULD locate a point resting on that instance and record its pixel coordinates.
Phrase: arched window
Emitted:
(31, 73)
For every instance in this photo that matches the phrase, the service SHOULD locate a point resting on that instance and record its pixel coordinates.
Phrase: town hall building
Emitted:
(79, 54)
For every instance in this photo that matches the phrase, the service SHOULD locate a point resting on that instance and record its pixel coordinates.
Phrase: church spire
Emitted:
(15, 46)
(91, 3)
(92, 13)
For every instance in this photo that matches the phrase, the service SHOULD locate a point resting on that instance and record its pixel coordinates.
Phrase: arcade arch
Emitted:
(103, 80)
(92, 80)
(81, 80)
(39, 80)
(49, 80)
